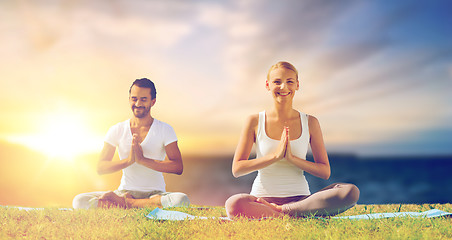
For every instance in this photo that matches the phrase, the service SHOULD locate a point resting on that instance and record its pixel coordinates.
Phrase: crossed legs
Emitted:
(125, 199)
(111, 199)
(331, 200)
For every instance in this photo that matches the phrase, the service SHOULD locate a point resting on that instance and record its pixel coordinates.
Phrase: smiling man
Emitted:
(147, 147)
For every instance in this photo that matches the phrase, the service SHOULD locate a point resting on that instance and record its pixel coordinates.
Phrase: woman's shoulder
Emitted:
(308, 116)
(311, 117)
(252, 120)
(312, 121)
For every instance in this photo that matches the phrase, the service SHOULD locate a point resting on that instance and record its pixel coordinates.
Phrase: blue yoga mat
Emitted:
(427, 214)
(160, 214)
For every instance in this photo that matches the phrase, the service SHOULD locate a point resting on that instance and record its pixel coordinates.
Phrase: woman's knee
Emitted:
(351, 194)
(236, 203)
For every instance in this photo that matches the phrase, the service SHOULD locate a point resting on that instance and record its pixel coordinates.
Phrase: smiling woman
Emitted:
(62, 136)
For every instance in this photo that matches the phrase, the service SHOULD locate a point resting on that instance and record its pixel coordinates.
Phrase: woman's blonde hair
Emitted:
(282, 64)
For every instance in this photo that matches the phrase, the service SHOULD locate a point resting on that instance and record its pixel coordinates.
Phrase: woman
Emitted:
(282, 136)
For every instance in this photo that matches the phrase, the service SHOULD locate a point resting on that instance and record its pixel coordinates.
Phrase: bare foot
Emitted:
(110, 199)
(271, 205)
(127, 195)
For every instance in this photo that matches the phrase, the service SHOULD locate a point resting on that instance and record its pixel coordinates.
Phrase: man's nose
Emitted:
(139, 103)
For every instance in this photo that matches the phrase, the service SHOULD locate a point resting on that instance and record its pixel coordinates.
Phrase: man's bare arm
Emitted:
(106, 165)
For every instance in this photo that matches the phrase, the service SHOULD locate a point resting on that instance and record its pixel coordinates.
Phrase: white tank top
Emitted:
(282, 178)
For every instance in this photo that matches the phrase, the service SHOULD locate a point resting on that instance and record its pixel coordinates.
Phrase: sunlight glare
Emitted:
(62, 136)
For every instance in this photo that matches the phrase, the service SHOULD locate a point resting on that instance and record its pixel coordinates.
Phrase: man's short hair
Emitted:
(145, 83)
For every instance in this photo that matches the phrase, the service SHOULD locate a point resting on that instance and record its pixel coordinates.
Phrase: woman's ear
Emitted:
(266, 85)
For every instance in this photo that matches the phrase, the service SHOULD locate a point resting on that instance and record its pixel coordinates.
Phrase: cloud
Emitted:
(147, 23)
(210, 59)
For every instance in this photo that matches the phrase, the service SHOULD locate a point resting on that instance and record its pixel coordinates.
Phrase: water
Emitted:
(381, 180)
(394, 179)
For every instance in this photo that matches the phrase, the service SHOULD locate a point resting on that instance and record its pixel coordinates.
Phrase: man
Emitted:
(142, 142)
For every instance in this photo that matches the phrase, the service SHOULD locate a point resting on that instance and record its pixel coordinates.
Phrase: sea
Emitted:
(381, 180)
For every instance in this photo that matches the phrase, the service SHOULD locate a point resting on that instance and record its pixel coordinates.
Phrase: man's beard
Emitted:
(144, 111)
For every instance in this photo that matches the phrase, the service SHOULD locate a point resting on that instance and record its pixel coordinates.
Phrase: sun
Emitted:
(62, 136)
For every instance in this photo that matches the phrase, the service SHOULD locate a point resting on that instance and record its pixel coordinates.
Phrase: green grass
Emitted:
(52, 223)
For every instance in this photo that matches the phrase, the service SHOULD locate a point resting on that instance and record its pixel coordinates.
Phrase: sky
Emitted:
(377, 74)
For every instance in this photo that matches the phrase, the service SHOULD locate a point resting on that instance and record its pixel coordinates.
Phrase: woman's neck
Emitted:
(282, 111)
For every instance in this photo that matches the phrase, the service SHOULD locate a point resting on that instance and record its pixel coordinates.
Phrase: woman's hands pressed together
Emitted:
(320, 167)
(283, 150)
(280, 152)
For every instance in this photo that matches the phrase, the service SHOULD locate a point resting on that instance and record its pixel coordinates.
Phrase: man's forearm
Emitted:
(104, 167)
(166, 166)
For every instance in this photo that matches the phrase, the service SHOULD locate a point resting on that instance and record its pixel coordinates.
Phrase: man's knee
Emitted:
(176, 199)
(84, 201)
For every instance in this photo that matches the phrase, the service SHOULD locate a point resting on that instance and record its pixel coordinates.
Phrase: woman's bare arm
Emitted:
(241, 165)
(321, 166)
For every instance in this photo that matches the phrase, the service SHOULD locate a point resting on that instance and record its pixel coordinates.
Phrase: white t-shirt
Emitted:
(137, 177)
(282, 178)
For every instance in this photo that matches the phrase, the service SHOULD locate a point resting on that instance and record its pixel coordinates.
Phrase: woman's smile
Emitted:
(283, 94)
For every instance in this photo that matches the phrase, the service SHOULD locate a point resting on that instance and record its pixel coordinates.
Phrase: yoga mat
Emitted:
(32, 208)
(427, 214)
(160, 214)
